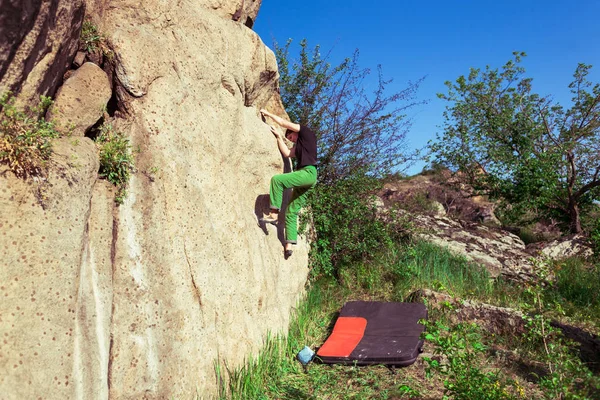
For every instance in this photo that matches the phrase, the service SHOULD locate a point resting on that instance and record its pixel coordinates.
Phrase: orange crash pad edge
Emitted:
(347, 334)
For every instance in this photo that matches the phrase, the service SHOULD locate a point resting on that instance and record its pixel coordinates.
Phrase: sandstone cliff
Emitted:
(141, 300)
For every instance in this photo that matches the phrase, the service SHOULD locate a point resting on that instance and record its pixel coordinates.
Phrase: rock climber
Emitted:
(301, 180)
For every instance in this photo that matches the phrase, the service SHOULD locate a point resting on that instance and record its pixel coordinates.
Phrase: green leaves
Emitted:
(90, 37)
(356, 130)
(25, 137)
(458, 349)
(520, 147)
(116, 160)
(345, 219)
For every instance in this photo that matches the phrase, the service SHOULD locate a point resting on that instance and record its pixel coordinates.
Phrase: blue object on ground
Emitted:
(305, 355)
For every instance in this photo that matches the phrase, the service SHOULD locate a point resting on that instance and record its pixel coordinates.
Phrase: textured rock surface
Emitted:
(38, 40)
(439, 194)
(501, 252)
(40, 256)
(570, 246)
(140, 300)
(447, 214)
(80, 101)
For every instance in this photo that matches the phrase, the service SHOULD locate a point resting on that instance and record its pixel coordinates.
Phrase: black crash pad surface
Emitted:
(368, 332)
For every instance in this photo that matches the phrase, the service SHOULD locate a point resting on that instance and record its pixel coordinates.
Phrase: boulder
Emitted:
(81, 100)
(565, 247)
(438, 208)
(247, 11)
(79, 59)
(499, 251)
(38, 40)
(152, 294)
(142, 300)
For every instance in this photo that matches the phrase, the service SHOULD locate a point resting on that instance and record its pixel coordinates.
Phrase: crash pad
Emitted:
(372, 332)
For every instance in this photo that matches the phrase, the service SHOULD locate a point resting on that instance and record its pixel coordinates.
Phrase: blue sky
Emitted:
(441, 40)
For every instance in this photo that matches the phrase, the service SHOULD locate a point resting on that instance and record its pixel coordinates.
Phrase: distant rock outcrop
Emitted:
(568, 246)
(143, 299)
(501, 252)
(440, 194)
(448, 214)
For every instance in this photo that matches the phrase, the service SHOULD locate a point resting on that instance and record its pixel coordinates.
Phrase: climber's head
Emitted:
(291, 135)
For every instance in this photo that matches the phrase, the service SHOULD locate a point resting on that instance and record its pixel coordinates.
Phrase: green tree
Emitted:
(517, 145)
(356, 129)
(361, 137)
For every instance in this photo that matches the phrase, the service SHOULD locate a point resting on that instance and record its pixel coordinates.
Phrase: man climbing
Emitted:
(301, 180)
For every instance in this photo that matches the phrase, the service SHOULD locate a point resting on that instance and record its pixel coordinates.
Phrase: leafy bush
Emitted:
(91, 40)
(346, 223)
(116, 160)
(25, 137)
(357, 126)
(460, 347)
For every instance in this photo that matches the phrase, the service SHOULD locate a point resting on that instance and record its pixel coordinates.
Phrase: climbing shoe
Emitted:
(268, 220)
(287, 254)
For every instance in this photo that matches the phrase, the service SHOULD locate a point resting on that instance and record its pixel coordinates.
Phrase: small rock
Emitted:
(438, 208)
(95, 57)
(79, 59)
(80, 100)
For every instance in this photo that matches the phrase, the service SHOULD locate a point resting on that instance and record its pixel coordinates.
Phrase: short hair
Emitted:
(288, 131)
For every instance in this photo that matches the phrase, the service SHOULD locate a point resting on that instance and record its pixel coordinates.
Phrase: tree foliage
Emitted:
(356, 129)
(344, 215)
(527, 149)
(361, 136)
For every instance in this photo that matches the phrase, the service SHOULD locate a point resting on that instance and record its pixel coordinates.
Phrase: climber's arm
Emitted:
(285, 151)
(282, 122)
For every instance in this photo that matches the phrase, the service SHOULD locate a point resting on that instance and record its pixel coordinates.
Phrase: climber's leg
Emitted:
(299, 195)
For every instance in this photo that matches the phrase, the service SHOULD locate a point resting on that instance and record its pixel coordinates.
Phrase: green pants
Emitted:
(301, 181)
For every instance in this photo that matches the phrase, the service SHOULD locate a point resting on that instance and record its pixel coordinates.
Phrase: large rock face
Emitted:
(44, 233)
(141, 300)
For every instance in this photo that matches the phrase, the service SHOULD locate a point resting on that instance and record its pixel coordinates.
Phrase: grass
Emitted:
(90, 37)
(413, 266)
(576, 290)
(116, 159)
(91, 40)
(25, 137)
(276, 374)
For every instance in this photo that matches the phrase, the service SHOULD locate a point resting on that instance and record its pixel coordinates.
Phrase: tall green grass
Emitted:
(275, 373)
(419, 265)
(576, 289)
